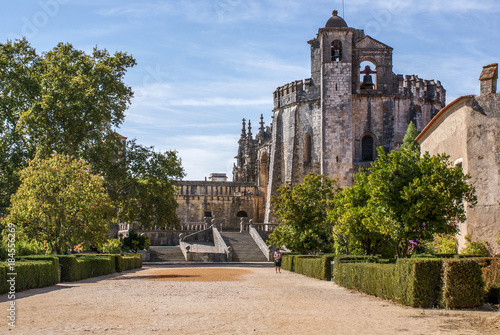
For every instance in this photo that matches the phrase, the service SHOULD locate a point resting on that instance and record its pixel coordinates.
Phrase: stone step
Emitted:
(245, 248)
(165, 254)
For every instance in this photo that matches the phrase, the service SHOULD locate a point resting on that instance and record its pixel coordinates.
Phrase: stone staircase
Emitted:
(245, 248)
(165, 254)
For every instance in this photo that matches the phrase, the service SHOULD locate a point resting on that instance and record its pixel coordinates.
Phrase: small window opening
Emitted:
(367, 149)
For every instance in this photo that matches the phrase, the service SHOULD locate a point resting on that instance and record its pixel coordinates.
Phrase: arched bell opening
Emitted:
(368, 75)
(336, 51)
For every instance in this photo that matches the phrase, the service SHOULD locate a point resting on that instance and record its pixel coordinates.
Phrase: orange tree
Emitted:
(302, 214)
(413, 197)
(61, 202)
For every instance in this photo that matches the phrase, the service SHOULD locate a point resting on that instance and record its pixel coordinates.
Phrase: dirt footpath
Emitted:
(224, 300)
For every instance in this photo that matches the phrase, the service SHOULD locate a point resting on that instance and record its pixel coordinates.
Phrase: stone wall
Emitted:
(225, 202)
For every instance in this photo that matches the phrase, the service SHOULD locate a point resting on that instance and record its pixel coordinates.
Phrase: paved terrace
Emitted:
(222, 299)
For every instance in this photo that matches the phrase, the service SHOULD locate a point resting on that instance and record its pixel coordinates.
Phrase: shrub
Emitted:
(476, 249)
(463, 285)
(23, 247)
(443, 244)
(112, 246)
(134, 242)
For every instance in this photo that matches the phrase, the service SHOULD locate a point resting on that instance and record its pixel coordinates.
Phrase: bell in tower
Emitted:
(367, 79)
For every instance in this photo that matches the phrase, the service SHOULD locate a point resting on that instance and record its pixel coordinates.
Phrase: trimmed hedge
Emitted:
(450, 283)
(315, 266)
(126, 262)
(32, 272)
(353, 276)
(79, 267)
(418, 282)
(288, 260)
(490, 267)
(463, 284)
(41, 271)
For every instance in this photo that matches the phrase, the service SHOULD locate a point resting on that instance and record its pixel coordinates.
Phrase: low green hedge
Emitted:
(354, 275)
(315, 266)
(79, 267)
(31, 272)
(288, 260)
(126, 262)
(450, 283)
(41, 271)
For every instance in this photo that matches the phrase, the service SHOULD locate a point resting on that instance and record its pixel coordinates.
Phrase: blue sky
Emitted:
(203, 65)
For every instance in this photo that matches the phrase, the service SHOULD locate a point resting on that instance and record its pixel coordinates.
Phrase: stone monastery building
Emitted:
(330, 123)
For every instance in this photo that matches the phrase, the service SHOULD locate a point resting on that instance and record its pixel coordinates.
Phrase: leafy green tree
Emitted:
(63, 101)
(302, 214)
(349, 215)
(18, 90)
(146, 195)
(61, 203)
(410, 136)
(81, 99)
(413, 197)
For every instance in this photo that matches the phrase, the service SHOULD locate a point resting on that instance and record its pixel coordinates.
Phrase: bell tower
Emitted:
(336, 45)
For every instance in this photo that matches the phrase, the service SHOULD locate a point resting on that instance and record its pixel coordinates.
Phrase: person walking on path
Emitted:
(277, 260)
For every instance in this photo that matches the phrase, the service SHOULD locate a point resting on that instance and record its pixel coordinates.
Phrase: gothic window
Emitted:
(307, 149)
(367, 148)
(336, 49)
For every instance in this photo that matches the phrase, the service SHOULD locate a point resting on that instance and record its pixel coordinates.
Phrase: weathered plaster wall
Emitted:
(470, 134)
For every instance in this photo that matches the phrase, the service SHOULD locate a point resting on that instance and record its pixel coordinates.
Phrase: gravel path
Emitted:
(215, 299)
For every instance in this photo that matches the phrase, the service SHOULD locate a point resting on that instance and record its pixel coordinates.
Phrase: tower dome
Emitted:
(335, 21)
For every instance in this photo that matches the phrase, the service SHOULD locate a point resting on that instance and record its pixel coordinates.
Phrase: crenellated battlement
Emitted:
(413, 86)
(299, 90)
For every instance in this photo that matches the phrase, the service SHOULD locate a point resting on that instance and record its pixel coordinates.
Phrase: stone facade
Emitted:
(332, 122)
(224, 202)
(468, 130)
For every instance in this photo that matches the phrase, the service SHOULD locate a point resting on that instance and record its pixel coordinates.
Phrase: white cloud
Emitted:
(205, 154)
